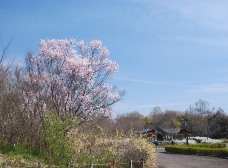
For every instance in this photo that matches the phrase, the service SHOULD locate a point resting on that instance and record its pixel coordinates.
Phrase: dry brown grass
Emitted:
(1, 158)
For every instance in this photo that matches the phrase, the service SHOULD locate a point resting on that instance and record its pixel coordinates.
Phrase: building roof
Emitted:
(145, 130)
(184, 131)
(171, 130)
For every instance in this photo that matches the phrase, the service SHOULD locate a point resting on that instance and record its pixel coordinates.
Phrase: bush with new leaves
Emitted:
(57, 149)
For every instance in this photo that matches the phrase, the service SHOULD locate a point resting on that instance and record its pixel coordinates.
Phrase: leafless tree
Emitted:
(133, 121)
(198, 115)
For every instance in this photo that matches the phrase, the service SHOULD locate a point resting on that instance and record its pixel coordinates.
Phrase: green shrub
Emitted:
(18, 149)
(194, 150)
(57, 149)
(6, 148)
(216, 145)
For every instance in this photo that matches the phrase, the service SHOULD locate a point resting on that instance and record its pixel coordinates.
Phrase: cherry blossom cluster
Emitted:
(70, 77)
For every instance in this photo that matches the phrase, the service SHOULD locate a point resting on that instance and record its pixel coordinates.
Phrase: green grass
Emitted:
(19, 154)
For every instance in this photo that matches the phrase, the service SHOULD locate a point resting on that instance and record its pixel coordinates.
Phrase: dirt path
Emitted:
(166, 160)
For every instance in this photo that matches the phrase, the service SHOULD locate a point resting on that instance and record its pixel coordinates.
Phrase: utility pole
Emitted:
(186, 127)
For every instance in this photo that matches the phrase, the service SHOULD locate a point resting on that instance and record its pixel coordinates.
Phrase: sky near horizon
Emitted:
(171, 53)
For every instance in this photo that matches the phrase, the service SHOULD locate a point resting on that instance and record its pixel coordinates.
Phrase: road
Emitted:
(167, 160)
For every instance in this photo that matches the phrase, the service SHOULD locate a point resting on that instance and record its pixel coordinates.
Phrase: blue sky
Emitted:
(171, 53)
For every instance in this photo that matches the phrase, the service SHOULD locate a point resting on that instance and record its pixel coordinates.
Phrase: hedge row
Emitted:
(223, 152)
(216, 145)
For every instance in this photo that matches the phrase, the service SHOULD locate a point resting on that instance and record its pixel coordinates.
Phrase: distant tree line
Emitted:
(202, 120)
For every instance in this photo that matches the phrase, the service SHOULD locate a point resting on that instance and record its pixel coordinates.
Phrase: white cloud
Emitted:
(146, 108)
(142, 106)
(157, 82)
(207, 14)
(206, 88)
(210, 14)
(213, 88)
(222, 42)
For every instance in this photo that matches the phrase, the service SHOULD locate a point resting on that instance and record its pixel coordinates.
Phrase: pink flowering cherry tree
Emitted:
(69, 77)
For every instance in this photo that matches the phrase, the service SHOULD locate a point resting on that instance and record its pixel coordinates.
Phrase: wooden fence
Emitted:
(114, 164)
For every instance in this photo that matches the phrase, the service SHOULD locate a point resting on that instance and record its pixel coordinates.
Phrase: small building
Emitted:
(183, 134)
(149, 133)
(169, 133)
